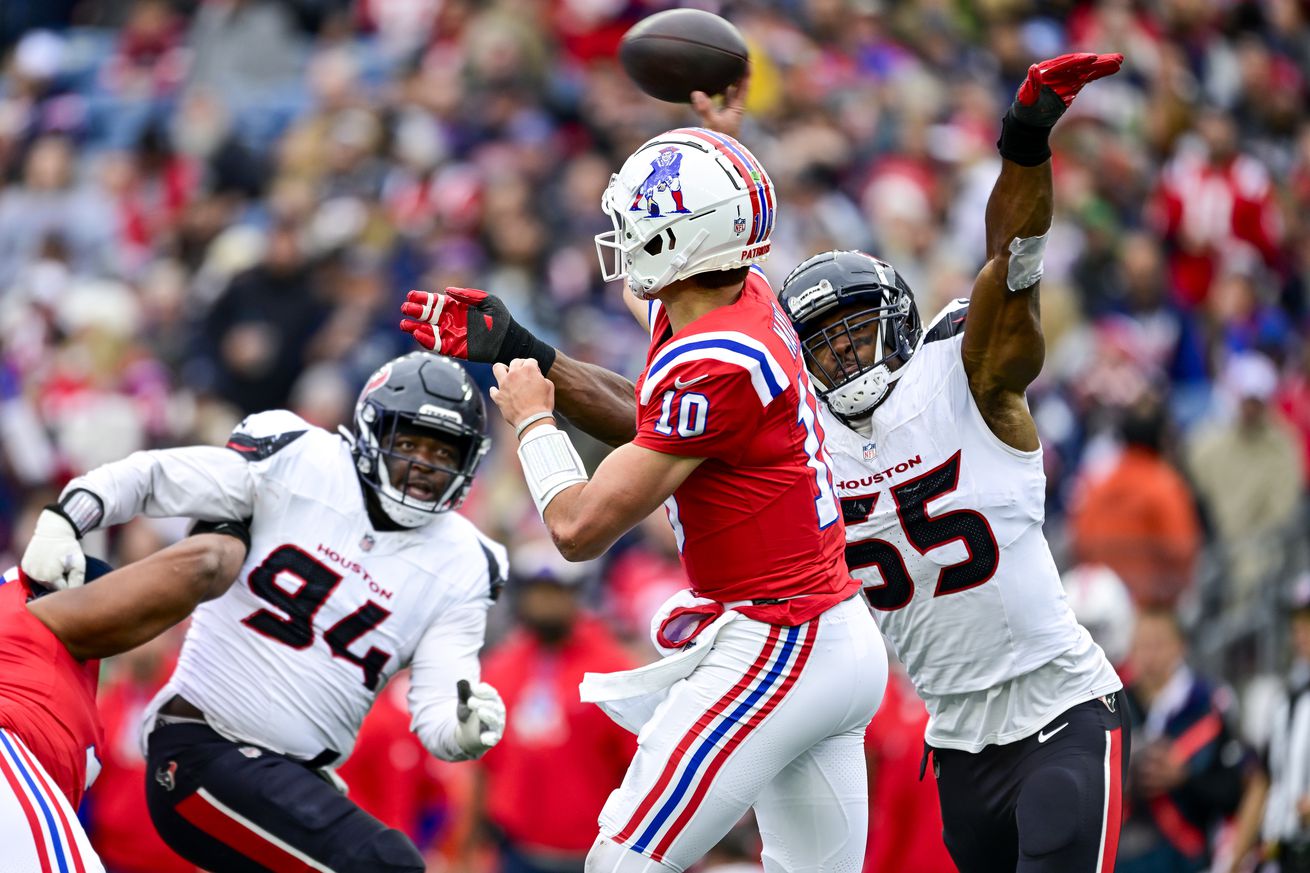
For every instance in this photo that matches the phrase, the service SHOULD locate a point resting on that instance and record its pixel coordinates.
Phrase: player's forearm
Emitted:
(600, 402)
(203, 482)
(1019, 206)
(447, 653)
(135, 604)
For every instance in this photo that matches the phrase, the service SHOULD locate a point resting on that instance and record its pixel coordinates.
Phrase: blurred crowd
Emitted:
(214, 207)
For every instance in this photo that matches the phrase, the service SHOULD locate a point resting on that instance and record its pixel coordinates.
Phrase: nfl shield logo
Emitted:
(870, 451)
(739, 225)
(367, 543)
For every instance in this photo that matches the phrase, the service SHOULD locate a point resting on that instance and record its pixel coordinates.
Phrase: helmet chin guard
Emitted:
(858, 325)
(688, 201)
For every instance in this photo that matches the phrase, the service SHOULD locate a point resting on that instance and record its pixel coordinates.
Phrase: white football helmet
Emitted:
(1102, 604)
(688, 201)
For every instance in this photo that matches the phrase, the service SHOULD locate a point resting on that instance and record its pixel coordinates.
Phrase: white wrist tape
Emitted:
(1026, 261)
(550, 464)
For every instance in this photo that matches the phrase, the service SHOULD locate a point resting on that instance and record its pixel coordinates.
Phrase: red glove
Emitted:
(1049, 89)
(472, 325)
(1052, 84)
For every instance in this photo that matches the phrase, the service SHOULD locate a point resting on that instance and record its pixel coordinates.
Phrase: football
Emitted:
(672, 53)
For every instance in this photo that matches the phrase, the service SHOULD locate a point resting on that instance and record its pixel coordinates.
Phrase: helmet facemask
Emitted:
(381, 464)
(856, 358)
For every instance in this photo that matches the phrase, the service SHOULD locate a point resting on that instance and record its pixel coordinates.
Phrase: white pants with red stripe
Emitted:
(39, 832)
(772, 718)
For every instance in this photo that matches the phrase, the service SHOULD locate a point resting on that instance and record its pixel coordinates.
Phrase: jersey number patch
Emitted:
(924, 532)
(692, 415)
(296, 628)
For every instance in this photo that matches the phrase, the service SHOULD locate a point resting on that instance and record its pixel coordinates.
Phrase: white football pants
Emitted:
(772, 718)
(39, 832)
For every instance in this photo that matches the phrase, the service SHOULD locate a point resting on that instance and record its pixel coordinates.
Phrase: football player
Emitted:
(788, 668)
(1026, 720)
(357, 568)
(50, 646)
(940, 473)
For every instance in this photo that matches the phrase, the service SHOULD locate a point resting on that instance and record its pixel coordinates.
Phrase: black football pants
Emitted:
(1050, 803)
(236, 808)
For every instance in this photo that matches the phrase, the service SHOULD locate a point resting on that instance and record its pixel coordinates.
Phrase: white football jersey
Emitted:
(944, 526)
(326, 608)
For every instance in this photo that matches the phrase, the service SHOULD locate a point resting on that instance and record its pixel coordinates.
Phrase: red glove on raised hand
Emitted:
(1052, 84)
(1043, 97)
(472, 325)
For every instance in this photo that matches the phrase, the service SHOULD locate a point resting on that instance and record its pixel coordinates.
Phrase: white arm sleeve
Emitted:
(204, 482)
(447, 653)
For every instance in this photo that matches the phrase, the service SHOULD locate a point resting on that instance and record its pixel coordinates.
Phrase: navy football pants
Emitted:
(1050, 803)
(236, 808)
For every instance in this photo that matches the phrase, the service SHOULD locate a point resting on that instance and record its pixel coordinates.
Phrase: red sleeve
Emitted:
(701, 410)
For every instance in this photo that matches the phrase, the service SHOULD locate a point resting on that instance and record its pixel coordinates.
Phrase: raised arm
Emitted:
(476, 326)
(1003, 349)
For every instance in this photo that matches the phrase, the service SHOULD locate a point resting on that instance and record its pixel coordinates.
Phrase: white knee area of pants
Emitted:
(607, 856)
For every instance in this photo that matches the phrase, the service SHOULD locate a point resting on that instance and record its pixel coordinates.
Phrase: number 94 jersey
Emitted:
(944, 529)
(326, 608)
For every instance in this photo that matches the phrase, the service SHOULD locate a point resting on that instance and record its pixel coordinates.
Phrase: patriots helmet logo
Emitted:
(665, 176)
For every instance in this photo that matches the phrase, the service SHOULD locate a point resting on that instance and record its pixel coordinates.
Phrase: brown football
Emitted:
(672, 53)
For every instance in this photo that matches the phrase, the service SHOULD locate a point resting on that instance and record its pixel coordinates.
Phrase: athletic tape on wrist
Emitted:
(529, 421)
(1023, 143)
(1025, 269)
(520, 342)
(83, 509)
(550, 464)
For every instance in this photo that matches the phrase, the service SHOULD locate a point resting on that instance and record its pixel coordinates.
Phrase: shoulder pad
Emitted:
(264, 434)
(948, 322)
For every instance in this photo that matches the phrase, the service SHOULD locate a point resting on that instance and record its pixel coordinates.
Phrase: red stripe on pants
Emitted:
(685, 743)
(726, 752)
(38, 835)
(52, 795)
(239, 836)
(1114, 810)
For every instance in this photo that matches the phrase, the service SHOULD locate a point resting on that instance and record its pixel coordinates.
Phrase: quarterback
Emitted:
(939, 470)
(776, 667)
(356, 569)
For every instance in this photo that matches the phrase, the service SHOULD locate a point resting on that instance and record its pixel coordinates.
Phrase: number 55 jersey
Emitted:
(944, 529)
(326, 608)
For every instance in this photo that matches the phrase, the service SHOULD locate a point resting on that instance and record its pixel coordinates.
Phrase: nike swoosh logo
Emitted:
(687, 383)
(1042, 736)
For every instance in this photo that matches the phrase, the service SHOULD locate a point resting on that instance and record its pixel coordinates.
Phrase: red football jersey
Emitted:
(47, 696)
(759, 519)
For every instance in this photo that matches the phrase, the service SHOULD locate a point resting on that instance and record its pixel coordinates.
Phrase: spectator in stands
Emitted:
(117, 818)
(391, 776)
(1187, 773)
(52, 202)
(905, 816)
(260, 329)
(1247, 471)
(1138, 519)
(545, 783)
(1286, 826)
